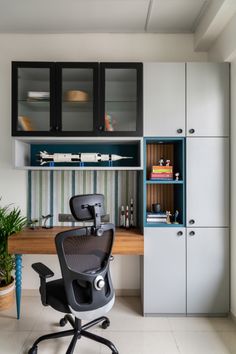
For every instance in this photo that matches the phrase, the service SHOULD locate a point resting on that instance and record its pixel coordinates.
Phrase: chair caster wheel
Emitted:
(63, 322)
(33, 350)
(105, 324)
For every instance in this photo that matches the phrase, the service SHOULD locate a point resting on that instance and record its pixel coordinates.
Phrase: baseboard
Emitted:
(119, 292)
(127, 292)
(233, 317)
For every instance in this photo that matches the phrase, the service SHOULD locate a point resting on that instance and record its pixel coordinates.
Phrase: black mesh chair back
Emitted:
(84, 256)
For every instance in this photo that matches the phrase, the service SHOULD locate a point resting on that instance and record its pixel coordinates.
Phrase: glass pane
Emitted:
(120, 99)
(33, 99)
(77, 99)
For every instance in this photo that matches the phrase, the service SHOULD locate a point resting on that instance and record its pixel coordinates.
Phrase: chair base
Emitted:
(77, 332)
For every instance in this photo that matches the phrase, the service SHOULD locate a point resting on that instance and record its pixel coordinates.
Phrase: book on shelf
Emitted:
(157, 220)
(161, 175)
(162, 169)
(38, 95)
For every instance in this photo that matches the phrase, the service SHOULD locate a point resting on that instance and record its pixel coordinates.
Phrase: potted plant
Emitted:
(11, 221)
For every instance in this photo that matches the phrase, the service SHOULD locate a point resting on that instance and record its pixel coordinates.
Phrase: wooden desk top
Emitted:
(41, 241)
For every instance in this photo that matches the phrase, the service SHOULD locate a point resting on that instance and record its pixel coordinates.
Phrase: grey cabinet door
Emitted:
(164, 99)
(207, 182)
(164, 271)
(207, 99)
(208, 271)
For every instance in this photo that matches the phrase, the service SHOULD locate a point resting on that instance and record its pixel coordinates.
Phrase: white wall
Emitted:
(224, 49)
(76, 47)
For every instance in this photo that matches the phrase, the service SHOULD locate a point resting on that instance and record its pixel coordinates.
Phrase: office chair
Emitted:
(85, 291)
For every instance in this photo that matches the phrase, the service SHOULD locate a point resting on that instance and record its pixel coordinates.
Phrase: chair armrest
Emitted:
(43, 271)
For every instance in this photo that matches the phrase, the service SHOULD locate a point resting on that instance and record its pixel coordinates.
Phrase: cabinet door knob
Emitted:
(191, 222)
(180, 233)
(192, 233)
(191, 131)
(179, 131)
(100, 127)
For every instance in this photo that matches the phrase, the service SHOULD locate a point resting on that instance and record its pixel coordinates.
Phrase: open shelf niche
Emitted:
(170, 194)
(26, 151)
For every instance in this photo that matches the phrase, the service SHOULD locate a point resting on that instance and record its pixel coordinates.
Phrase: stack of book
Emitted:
(38, 96)
(156, 217)
(161, 172)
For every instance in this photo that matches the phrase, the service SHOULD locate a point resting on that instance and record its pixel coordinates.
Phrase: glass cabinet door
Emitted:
(121, 103)
(78, 97)
(32, 98)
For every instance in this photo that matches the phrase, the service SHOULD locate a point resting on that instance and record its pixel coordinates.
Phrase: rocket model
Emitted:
(45, 157)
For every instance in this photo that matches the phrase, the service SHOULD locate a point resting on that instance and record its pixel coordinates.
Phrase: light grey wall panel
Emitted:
(164, 271)
(208, 99)
(208, 271)
(164, 99)
(208, 182)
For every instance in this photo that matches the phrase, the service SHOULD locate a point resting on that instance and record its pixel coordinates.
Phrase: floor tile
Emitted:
(142, 343)
(201, 324)
(206, 342)
(126, 315)
(10, 344)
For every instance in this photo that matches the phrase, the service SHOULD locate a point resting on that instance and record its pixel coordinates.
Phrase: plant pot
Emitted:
(7, 295)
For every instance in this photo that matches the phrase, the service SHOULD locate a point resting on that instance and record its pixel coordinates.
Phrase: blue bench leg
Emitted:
(18, 271)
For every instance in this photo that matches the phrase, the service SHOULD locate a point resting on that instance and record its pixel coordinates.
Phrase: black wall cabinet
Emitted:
(77, 99)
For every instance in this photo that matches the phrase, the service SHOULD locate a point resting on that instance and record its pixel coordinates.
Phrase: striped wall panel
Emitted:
(49, 191)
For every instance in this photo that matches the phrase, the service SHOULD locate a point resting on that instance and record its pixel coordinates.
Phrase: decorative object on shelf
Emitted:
(168, 215)
(122, 216)
(161, 161)
(11, 221)
(156, 217)
(92, 157)
(76, 96)
(167, 162)
(25, 124)
(177, 176)
(131, 212)
(127, 217)
(46, 218)
(162, 172)
(38, 96)
(176, 214)
(109, 123)
(32, 223)
(156, 208)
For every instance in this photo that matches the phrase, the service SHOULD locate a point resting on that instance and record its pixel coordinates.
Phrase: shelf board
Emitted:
(162, 225)
(77, 168)
(160, 181)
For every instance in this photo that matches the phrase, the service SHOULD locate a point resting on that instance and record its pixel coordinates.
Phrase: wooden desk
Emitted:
(41, 241)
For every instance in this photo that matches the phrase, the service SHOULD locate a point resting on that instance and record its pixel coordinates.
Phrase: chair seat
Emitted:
(56, 296)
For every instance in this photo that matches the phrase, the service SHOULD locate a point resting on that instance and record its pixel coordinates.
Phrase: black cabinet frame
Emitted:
(56, 98)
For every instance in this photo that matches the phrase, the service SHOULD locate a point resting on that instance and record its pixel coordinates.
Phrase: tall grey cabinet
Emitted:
(186, 271)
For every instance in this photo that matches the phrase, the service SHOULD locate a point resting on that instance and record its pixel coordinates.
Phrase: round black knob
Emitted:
(100, 127)
(179, 131)
(191, 131)
(191, 222)
(180, 233)
(192, 233)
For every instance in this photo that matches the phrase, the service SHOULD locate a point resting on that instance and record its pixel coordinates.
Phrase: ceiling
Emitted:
(119, 16)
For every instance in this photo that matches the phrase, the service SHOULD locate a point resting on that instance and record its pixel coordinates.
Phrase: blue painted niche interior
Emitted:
(123, 149)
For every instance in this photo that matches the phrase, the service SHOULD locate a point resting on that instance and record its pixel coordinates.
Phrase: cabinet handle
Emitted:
(191, 222)
(191, 131)
(179, 131)
(100, 127)
(180, 233)
(192, 233)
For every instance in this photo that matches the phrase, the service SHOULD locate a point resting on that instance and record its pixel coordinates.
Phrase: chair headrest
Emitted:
(83, 206)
